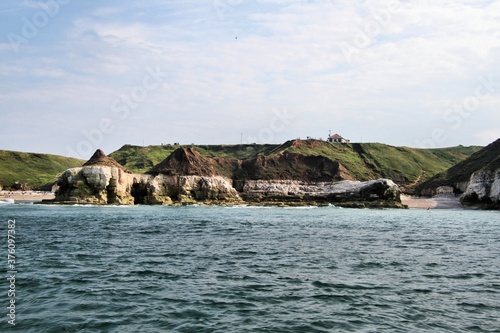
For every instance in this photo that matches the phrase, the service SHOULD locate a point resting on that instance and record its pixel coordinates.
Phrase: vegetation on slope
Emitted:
(240, 152)
(36, 170)
(188, 161)
(409, 165)
(342, 153)
(487, 158)
(363, 161)
(141, 159)
(406, 166)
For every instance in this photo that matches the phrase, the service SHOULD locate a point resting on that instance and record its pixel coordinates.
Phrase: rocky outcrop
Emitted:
(476, 179)
(189, 162)
(483, 190)
(459, 176)
(95, 185)
(103, 181)
(375, 193)
(188, 177)
(190, 189)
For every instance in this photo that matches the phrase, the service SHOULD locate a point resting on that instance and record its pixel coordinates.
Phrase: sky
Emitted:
(79, 75)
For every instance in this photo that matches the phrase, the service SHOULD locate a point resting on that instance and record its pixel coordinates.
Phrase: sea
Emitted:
(248, 269)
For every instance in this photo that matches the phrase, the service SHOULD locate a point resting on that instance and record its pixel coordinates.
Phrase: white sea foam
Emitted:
(7, 202)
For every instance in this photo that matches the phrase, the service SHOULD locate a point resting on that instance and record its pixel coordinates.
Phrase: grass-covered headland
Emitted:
(363, 161)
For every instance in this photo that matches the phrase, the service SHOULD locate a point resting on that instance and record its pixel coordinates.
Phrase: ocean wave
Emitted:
(230, 269)
(7, 202)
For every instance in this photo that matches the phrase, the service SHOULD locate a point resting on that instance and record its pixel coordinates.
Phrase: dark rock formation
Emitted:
(290, 166)
(188, 162)
(17, 186)
(476, 179)
(375, 193)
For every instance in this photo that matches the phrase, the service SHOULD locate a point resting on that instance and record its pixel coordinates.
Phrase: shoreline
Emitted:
(437, 202)
(27, 195)
(440, 202)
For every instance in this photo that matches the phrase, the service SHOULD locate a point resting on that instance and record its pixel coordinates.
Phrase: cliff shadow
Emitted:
(139, 192)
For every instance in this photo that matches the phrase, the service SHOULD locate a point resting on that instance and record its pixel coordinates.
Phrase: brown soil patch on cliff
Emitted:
(187, 161)
(285, 166)
(289, 166)
(100, 158)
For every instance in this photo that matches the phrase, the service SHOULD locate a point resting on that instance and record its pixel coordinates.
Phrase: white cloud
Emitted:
(49, 72)
(422, 56)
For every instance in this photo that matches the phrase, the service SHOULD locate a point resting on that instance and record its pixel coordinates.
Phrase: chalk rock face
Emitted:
(102, 185)
(101, 180)
(483, 189)
(207, 188)
(195, 188)
(165, 188)
(346, 191)
(476, 178)
(187, 177)
(444, 191)
(94, 185)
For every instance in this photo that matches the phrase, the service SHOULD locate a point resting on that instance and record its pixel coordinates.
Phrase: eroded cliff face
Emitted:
(104, 185)
(290, 166)
(374, 193)
(187, 177)
(103, 181)
(476, 179)
(483, 190)
(98, 185)
(191, 189)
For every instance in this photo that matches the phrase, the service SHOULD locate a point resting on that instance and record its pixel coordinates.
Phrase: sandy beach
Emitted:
(440, 202)
(26, 195)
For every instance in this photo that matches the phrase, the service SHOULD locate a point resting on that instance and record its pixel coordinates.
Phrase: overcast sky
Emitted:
(80, 75)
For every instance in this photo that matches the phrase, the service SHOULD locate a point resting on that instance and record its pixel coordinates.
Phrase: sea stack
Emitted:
(101, 180)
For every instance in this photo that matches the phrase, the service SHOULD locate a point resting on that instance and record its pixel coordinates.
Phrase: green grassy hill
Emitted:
(406, 166)
(141, 159)
(36, 170)
(487, 158)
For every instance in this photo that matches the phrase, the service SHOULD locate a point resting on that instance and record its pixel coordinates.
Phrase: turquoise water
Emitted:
(243, 269)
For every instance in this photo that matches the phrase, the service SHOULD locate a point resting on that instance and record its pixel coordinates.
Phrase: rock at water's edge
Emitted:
(380, 192)
(483, 190)
(187, 177)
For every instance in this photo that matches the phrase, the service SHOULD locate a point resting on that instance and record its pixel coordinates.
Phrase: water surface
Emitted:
(244, 269)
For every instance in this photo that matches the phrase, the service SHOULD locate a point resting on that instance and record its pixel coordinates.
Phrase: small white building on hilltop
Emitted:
(336, 138)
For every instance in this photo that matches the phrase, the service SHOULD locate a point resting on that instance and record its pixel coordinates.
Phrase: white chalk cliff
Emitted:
(103, 181)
